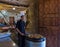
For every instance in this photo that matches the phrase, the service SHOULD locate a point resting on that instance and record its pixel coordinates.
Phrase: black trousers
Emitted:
(21, 41)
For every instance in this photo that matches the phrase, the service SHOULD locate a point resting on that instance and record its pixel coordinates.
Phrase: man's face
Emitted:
(22, 17)
(1, 20)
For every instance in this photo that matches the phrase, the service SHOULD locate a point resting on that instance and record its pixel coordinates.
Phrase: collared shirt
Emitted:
(21, 26)
(2, 25)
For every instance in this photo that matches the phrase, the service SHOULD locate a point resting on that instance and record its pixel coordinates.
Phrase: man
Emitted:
(1, 22)
(12, 20)
(21, 29)
(4, 26)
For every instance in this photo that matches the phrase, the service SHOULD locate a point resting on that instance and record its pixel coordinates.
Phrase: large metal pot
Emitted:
(35, 40)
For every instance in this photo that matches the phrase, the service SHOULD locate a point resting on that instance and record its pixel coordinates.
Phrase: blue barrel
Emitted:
(35, 42)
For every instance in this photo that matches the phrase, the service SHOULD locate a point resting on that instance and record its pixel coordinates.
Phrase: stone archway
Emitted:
(33, 17)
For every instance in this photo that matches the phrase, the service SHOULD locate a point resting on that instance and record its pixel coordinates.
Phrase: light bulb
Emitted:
(13, 8)
(14, 44)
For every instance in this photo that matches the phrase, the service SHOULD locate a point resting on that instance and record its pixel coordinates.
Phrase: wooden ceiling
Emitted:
(24, 3)
(10, 8)
(20, 5)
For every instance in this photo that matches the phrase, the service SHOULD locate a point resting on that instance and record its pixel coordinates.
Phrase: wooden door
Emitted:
(49, 21)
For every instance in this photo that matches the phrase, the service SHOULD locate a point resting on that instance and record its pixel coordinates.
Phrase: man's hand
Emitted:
(12, 27)
(22, 34)
(5, 28)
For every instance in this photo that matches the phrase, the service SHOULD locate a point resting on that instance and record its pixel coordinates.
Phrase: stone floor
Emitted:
(7, 42)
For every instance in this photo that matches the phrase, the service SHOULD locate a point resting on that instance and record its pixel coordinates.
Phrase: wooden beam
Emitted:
(13, 3)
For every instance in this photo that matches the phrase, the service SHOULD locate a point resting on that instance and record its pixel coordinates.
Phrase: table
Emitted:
(7, 42)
